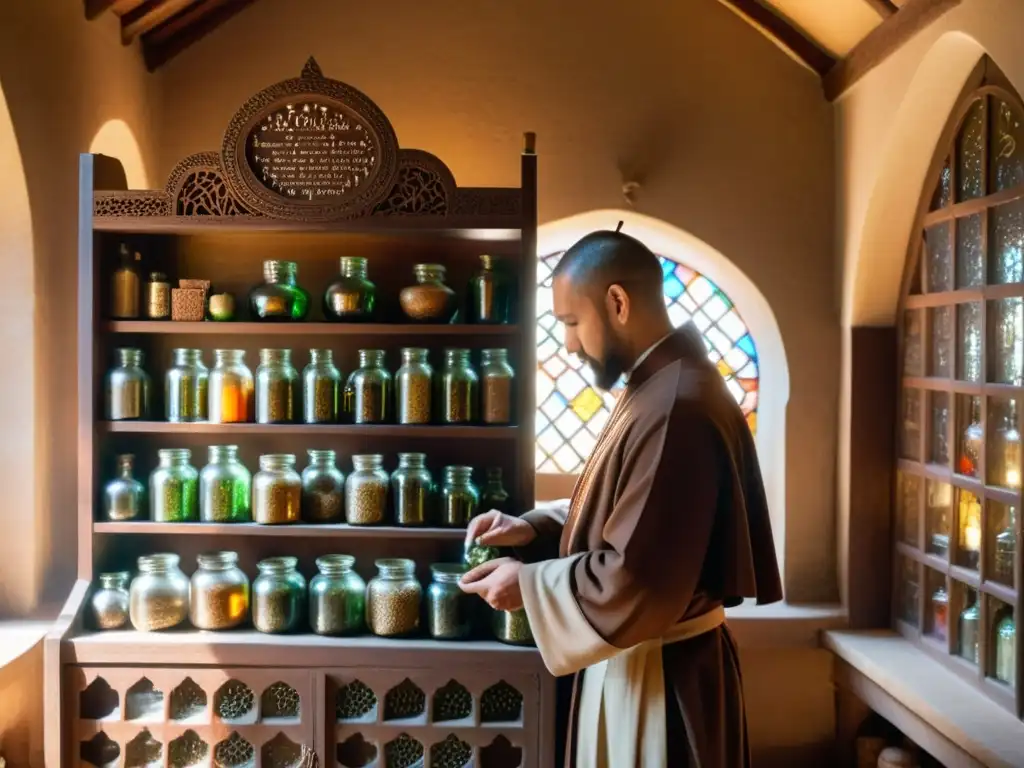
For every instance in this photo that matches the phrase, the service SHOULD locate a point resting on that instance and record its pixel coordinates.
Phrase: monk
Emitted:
(625, 585)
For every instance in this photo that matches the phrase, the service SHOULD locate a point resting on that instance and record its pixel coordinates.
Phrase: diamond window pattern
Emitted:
(571, 412)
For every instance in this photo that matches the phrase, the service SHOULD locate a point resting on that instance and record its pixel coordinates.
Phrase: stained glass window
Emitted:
(571, 412)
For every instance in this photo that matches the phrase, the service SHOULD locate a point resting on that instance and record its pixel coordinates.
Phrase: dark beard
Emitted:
(605, 374)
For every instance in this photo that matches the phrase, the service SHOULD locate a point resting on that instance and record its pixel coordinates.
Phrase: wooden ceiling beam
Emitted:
(802, 46)
(95, 8)
(166, 41)
(884, 8)
(883, 41)
(150, 14)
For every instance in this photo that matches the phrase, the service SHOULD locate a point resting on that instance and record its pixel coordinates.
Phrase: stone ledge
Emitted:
(783, 625)
(19, 637)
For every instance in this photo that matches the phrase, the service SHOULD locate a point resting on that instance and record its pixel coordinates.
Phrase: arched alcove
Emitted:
(681, 248)
(116, 139)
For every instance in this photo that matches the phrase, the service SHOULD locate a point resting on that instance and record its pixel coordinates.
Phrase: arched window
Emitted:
(958, 493)
(571, 412)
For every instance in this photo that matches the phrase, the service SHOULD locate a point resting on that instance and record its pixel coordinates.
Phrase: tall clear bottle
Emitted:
(459, 387)
(489, 294)
(125, 287)
(123, 497)
(126, 387)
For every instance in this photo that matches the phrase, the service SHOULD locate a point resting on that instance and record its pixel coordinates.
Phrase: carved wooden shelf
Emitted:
(340, 531)
(307, 329)
(339, 430)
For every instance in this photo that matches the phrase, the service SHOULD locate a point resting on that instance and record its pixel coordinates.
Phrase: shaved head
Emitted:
(605, 258)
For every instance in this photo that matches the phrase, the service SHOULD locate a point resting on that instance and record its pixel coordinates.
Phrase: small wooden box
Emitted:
(188, 304)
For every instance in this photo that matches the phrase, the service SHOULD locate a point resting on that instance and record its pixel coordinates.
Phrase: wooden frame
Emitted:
(919, 307)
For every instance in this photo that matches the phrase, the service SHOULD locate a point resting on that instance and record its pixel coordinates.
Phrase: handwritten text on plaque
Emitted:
(312, 151)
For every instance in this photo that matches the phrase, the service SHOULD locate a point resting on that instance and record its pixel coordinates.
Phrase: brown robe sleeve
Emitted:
(548, 520)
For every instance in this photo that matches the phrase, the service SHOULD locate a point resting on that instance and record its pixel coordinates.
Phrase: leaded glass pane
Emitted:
(970, 153)
(1006, 153)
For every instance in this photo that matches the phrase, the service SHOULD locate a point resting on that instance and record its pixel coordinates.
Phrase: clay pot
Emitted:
(430, 300)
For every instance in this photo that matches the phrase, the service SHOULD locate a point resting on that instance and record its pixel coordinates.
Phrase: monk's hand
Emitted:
(497, 582)
(496, 529)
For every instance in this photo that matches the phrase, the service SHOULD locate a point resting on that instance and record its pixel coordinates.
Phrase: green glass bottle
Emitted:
(279, 297)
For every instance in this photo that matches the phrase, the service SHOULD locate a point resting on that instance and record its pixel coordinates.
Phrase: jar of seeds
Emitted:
(368, 390)
(512, 627)
(109, 604)
(276, 379)
(174, 488)
(158, 297)
(460, 499)
(124, 495)
(220, 592)
(496, 377)
(126, 387)
(412, 490)
(321, 388)
(231, 388)
(337, 597)
(323, 489)
(225, 487)
(158, 598)
(276, 490)
(393, 599)
(278, 596)
(413, 384)
(449, 609)
(366, 491)
(458, 388)
(186, 387)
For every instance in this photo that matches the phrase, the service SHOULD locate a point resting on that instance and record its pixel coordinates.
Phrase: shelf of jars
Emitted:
(239, 328)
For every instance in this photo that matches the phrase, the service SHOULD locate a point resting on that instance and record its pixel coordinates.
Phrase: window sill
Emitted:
(19, 637)
(783, 625)
(949, 719)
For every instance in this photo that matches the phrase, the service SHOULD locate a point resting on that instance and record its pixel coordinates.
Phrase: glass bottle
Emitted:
(225, 487)
(969, 619)
(366, 491)
(278, 596)
(494, 495)
(337, 597)
(124, 287)
(458, 386)
(174, 488)
(430, 300)
(159, 594)
(126, 387)
(940, 613)
(321, 388)
(108, 605)
(449, 609)
(276, 378)
(393, 599)
(460, 499)
(158, 297)
(972, 442)
(412, 489)
(1006, 644)
(276, 490)
(231, 388)
(496, 377)
(219, 592)
(489, 294)
(368, 390)
(1007, 448)
(186, 387)
(413, 383)
(512, 627)
(123, 496)
(279, 296)
(1005, 549)
(969, 514)
(352, 296)
(323, 488)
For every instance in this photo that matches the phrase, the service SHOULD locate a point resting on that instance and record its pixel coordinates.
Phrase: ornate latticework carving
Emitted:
(197, 187)
(404, 701)
(354, 701)
(452, 702)
(453, 752)
(187, 750)
(501, 703)
(487, 201)
(356, 752)
(144, 202)
(402, 752)
(234, 700)
(424, 187)
(233, 752)
(143, 751)
(280, 700)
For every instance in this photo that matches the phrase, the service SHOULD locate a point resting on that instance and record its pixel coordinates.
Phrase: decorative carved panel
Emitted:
(424, 186)
(197, 188)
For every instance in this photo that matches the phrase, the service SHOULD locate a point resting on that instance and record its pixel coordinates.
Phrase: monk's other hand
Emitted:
(497, 582)
(496, 529)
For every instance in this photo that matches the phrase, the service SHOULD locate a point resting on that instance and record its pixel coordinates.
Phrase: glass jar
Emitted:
(220, 592)
(1005, 451)
(494, 495)
(158, 598)
(158, 297)
(321, 388)
(279, 297)
(489, 294)
(496, 377)
(460, 499)
(276, 490)
(458, 387)
(231, 388)
(366, 491)
(512, 627)
(225, 487)
(278, 596)
(412, 489)
(276, 378)
(109, 604)
(126, 388)
(969, 619)
(413, 383)
(337, 597)
(393, 599)
(352, 296)
(1006, 642)
(449, 609)
(368, 390)
(124, 495)
(972, 442)
(1006, 541)
(430, 300)
(174, 488)
(124, 287)
(940, 612)
(323, 488)
(186, 387)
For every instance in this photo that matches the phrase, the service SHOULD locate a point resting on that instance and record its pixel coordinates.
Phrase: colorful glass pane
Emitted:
(572, 412)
